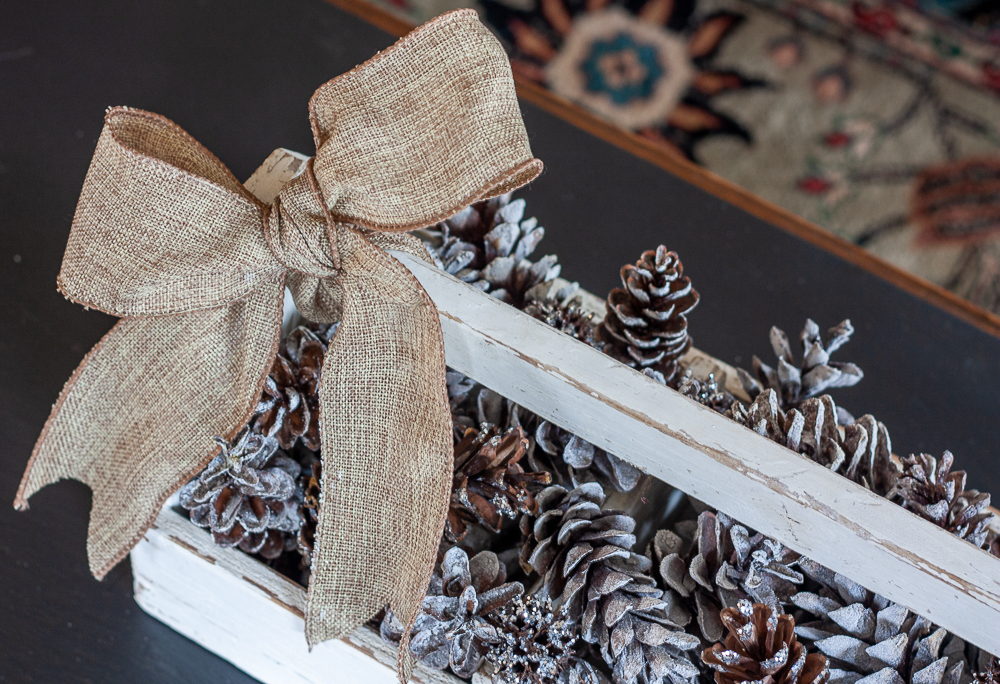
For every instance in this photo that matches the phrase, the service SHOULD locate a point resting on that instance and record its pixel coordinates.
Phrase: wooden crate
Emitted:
(222, 598)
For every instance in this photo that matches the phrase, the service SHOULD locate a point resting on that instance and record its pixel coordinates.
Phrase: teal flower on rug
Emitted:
(623, 67)
(645, 65)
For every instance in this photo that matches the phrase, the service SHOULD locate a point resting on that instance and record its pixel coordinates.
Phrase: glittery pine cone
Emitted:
(310, 485)
(489, 482)
(989, 675)
(535, 645)
(472, 405)
(706, 392)
(563, 311)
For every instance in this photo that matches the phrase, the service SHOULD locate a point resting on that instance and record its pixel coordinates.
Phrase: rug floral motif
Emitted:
(878, 120)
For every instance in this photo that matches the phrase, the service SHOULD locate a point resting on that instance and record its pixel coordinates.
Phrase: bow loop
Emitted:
(446, 132)
(162, 227)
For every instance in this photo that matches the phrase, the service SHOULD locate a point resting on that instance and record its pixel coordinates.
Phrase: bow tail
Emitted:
(387, 449)
(136, 419)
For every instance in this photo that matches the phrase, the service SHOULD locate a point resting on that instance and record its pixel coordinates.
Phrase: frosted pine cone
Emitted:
(453, 628)
(717, 562)
(489, 482)
(584, 557)
(247, 496)
(289, 405)
(930, 489)
(863, 452)
(761, 647)
(867, 453)
(575, 461)
(813, 376)
(488, 244)
(646, 321)
(865, 635)
(810, 429)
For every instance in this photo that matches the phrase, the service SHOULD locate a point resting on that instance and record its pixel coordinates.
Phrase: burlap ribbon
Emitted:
(166, 238)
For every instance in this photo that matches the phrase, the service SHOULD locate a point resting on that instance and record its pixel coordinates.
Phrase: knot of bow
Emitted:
(167, 239)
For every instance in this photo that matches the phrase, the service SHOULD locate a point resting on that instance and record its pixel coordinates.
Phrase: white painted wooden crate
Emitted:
(221, 597)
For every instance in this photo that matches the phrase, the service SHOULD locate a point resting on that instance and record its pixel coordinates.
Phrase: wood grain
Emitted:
(713, 184)
(247, 613)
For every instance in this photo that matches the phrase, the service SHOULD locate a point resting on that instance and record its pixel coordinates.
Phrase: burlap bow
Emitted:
(166, 238)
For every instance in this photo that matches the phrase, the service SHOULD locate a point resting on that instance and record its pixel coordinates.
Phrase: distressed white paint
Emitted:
(766, 486)
(248, 614)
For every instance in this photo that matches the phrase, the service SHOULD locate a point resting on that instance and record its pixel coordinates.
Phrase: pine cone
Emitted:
(472, 405)
(867, 455)
(535, 645)
(864, 635)
(810, 429)
(815, 374)
(584, 558)
(761, 647)
(575, 461)
(289, 405)
(487, 245)
(705, 392)
(931, 490)
(310, 484)
(991, 675)
(718, 563)
(247, 496)
(453, 628)
(489, 484)
(862, 453)
(562, 310)
(646, 325)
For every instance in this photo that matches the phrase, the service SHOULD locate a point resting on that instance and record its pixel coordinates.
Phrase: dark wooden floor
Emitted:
(238, 75)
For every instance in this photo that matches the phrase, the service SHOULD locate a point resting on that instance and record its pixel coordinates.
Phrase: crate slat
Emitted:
(247, 613)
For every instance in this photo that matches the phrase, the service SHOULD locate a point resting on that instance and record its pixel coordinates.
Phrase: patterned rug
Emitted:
(878, 120)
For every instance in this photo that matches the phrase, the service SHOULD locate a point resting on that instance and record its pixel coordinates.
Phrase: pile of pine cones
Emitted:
(546, 574)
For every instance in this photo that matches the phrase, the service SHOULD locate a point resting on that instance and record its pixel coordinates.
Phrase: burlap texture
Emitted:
(165, 237)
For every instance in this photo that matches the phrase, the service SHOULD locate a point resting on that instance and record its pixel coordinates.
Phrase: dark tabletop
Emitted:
(237, 74)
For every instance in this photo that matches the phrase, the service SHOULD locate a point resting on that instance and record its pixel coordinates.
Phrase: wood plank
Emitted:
(247, 613)
(710, 182)
(778, 492)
